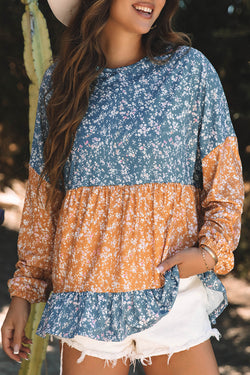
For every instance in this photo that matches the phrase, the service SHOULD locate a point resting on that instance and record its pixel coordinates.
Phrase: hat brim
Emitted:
(64, 10)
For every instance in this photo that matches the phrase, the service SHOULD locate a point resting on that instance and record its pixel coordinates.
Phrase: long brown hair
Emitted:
(80, 61)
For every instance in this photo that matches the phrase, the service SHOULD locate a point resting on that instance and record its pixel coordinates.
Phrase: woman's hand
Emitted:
(13, 336)
(189, 261)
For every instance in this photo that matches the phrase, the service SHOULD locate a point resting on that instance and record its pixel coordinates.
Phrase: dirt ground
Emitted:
(232, 352)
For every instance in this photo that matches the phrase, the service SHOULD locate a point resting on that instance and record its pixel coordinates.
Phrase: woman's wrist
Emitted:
(209, 257)
(17, 301)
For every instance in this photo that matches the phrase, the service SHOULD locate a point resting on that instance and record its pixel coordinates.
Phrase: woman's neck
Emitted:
(121, 48)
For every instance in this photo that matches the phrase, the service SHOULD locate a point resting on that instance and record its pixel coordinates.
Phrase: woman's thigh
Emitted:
(199, 359)
(90, 365)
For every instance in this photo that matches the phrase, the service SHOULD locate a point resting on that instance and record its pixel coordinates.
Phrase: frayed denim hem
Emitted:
(133, 356)
(146, 359)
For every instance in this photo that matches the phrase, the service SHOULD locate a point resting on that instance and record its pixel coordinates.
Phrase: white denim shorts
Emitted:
(186, 325)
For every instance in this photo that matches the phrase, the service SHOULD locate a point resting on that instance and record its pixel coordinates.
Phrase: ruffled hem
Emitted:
(114, 316)
(108, 316)
(216, 295)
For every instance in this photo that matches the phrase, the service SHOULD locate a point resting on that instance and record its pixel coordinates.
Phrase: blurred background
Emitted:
(221, 30)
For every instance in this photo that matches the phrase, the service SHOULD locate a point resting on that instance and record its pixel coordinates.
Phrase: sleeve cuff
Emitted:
(224, 254)
(35, 292)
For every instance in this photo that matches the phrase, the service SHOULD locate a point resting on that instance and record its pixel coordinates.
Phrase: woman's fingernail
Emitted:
(16, 349)
(160, 269)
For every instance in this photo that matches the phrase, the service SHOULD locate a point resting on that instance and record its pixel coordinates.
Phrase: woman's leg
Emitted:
(197, 360)
(90, 365)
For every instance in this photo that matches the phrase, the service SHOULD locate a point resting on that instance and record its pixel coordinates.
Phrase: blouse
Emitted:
(154, 169)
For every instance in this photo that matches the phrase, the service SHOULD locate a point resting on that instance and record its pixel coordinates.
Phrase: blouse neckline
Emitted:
(132, 68)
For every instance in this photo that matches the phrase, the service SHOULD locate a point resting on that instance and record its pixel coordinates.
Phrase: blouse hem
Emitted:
(114, 316)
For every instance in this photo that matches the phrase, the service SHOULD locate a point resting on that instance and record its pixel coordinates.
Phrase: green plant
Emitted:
(37, 58)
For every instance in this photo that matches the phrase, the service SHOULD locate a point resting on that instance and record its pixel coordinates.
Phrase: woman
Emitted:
(143, 202)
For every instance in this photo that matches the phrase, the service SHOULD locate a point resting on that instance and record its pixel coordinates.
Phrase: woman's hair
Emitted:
(80, 61)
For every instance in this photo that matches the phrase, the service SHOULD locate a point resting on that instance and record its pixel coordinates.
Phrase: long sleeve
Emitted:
(32, 279)
(223, 189)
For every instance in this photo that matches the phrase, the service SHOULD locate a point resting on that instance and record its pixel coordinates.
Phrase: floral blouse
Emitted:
(154, 169)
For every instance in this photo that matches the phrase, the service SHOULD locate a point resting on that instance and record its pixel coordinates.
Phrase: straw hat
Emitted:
(64, 10)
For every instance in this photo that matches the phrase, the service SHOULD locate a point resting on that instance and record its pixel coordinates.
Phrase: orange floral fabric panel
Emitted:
(111, 238)
(32, 279)
(222, 201)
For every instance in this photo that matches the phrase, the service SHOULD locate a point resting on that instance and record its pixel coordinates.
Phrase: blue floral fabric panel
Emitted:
(41, 124)
(108, 316)
(114, 316)
(145, 123)
(212, 283)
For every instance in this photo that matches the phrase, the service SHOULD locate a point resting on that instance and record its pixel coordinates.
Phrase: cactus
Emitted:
(37, 53)
(38, 352)
(37, 58)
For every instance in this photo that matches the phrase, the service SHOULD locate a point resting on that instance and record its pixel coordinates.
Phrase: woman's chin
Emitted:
(142, 29)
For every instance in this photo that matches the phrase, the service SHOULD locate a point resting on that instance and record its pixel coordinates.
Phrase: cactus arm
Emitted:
(37, 53)
(38, 351)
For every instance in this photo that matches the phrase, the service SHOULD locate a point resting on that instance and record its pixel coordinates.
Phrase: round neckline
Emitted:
(126, 67)
(131, 68)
